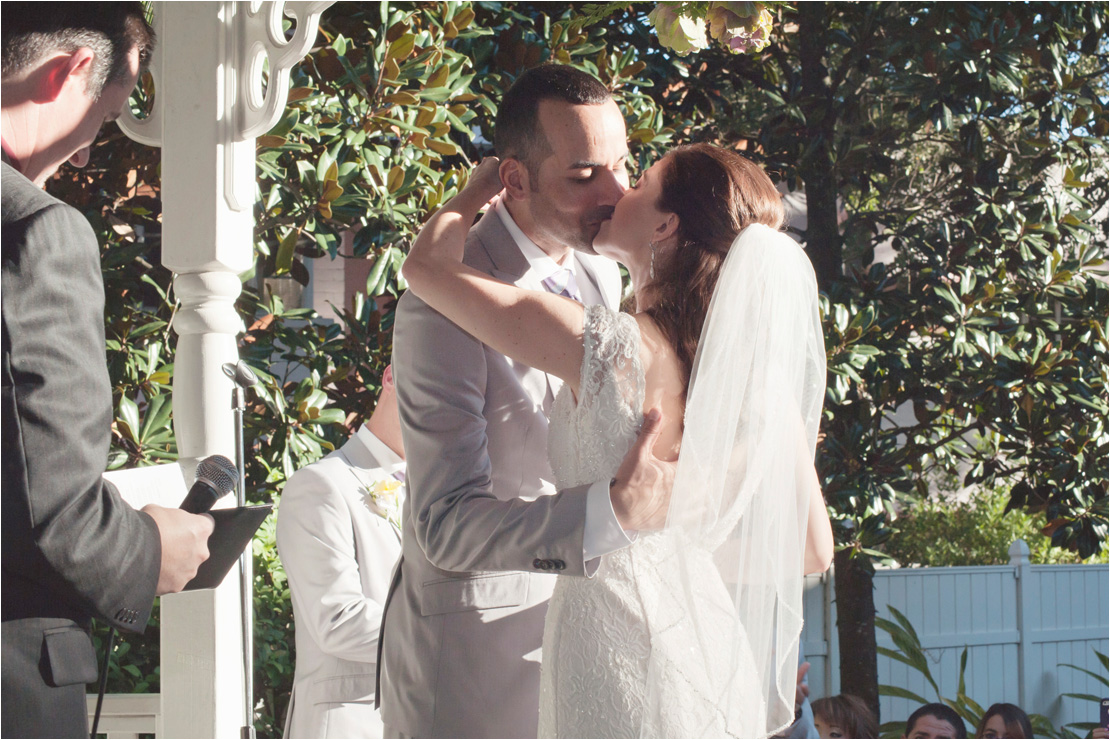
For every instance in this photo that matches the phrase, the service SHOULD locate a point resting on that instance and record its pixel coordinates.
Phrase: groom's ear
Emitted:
(514, 176)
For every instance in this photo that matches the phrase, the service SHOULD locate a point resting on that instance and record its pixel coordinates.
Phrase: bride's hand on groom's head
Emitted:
(641, 491)
(484, 183)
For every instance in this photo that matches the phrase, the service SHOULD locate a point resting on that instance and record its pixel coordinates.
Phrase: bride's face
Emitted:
(627, 235)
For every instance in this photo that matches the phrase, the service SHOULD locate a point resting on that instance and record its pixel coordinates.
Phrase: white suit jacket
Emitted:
(339, 555)
(463, 624)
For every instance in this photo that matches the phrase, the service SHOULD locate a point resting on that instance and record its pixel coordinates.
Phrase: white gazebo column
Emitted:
(209, 106)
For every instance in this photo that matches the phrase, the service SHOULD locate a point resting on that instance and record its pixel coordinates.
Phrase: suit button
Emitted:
(558, 564)
(540, 564)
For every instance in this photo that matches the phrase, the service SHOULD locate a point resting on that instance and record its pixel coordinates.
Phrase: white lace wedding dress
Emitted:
(599, 635)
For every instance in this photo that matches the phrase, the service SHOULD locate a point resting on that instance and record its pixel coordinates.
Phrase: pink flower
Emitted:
(742, 27)
(678, 32)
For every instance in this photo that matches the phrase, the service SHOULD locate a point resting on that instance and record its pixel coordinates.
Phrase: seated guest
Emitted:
(1004, 720)
(935, 721)
(338, 535)
(844, 716)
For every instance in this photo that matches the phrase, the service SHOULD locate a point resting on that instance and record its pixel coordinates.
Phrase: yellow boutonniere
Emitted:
(384, 499)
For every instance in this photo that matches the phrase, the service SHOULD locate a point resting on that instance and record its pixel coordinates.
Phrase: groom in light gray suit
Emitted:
(484, 530)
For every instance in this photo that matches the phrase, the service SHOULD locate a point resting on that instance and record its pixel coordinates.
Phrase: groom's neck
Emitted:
(385, 424)
(522, 217)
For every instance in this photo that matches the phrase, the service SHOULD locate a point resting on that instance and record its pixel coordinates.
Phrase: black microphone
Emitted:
(216, 476)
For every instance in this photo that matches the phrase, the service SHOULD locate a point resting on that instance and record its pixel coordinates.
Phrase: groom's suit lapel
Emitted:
(509, 265)
(357, 455)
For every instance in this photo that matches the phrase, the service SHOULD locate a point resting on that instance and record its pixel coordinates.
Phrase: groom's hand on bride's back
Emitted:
(641, 491)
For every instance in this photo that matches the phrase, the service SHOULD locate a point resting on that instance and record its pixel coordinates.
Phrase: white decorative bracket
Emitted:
(255, 85)
(149, 130)
(258, 39)
(258, 82)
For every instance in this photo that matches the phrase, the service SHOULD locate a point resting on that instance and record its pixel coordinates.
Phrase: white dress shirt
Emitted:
(390, 462)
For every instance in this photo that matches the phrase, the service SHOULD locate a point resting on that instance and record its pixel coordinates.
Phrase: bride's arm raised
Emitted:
(537, 328)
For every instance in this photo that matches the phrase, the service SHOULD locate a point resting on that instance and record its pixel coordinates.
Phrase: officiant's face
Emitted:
(577, 185)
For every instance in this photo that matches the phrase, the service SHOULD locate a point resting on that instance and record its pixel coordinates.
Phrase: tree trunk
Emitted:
(855, 599)
(855, 627)
(823, 243)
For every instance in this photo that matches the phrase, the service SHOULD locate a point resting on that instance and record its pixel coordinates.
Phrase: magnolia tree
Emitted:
(952, 162)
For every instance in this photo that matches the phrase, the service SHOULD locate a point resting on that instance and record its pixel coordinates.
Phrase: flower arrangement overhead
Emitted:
(739, 27)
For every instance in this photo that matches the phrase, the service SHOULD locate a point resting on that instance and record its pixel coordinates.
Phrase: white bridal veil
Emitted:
(726, 621)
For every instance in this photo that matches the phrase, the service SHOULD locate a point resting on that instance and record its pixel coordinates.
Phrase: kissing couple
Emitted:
(657, 558)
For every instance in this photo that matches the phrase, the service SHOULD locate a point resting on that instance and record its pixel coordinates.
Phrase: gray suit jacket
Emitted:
(339, 556)
(484, 531)
(72, 548)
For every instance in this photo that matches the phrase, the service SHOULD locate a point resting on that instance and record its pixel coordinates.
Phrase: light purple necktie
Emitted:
(562, 282)
(399, 475)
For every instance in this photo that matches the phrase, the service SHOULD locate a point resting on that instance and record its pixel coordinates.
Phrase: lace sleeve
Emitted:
(612, 376)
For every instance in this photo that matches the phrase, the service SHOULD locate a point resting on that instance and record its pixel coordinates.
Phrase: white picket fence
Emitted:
(1017, 621)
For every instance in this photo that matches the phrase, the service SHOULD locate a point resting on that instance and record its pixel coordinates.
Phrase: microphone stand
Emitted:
(243, 378)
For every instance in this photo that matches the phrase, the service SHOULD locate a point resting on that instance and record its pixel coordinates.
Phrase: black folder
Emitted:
(234, 530)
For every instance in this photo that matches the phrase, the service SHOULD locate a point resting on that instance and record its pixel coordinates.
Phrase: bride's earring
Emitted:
(651, 272)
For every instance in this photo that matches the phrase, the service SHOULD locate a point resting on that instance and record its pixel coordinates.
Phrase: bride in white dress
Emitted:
(691, 631)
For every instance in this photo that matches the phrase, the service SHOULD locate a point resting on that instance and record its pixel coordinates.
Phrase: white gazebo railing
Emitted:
(221, 76)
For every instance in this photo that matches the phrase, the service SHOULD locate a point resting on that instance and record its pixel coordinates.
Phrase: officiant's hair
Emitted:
(716, 193)
(517, 133)
(32, 30)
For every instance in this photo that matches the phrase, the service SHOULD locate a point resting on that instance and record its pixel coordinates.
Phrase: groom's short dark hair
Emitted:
(516, 131)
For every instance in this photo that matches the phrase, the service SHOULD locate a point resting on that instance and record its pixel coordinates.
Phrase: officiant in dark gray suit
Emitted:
(72, 548)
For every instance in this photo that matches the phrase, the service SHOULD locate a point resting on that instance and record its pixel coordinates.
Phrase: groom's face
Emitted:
(577, 185)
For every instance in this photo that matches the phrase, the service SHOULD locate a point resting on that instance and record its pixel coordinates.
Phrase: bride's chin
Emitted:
(605, 250)
(601, 243)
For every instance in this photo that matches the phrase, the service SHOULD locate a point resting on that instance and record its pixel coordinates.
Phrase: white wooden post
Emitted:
(209, 107)
(1025, 598)
(831, 632)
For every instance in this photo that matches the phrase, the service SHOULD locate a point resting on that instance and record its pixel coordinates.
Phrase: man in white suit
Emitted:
(339, 545)
(484, 530)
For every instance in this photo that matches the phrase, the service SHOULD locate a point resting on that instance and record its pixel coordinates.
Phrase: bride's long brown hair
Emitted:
(716, 193)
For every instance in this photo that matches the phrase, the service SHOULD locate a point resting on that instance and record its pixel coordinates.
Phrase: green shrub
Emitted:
(944, 530)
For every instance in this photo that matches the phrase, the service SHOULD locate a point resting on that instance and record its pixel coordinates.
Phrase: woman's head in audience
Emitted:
(1004, 721)
(844, 716)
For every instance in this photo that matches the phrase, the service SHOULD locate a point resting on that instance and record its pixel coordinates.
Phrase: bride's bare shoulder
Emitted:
(656, 351)
(664, 385)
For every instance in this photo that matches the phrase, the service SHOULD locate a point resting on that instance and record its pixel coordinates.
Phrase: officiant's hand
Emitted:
(184, 539)
(641, 492)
